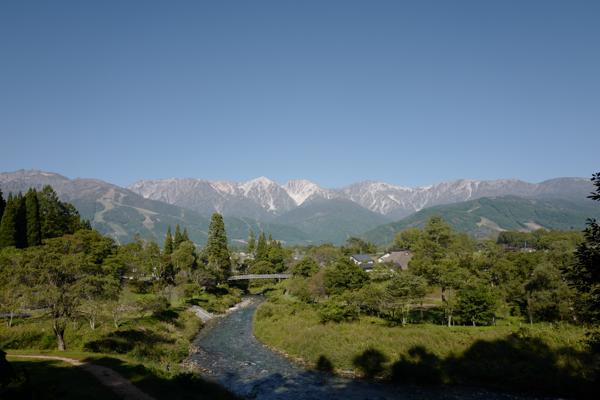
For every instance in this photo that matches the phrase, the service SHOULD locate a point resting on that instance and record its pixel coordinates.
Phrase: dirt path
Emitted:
(108, 377)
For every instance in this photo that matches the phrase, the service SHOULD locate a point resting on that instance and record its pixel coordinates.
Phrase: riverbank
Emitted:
(228, 353)
(543, 358)
(146, 348)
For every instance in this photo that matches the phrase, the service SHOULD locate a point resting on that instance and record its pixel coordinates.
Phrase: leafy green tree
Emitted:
(356, 245)
(13, 288)
(344, 275)
(251, 242)
(34, 227)
(584, 275)
(407, 239)
(262, 267)
(430, 251)
(306, 267)
(476, 305)
(169, 245)
(95, 291)
(402, 293)
(547, 296)
(8, 225)
(55, 279)
(262, 249)
(216, 250)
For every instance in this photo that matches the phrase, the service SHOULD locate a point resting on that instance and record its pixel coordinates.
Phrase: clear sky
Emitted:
(411, 93)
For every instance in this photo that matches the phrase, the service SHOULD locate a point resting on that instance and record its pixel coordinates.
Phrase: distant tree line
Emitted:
(38, 215)
(267, 255)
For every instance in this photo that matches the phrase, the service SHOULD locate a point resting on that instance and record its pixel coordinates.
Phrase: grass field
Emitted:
(539, 358)
(147, 348)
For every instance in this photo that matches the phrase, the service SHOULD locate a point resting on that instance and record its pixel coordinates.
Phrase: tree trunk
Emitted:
(10, 320)
(449, 320)
(92, 321)
(443, 294)
(59, 331)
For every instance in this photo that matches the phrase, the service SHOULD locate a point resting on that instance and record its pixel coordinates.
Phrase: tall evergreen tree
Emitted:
(34, 227)
(2, 205)
(262, 248)
(178, 238)
(251, 242)
(186, 237)
(8, 227)
(216, 248)
(21, 221)
(168, 249)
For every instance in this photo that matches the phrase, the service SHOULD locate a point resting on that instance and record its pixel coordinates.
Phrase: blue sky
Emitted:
(411, 93)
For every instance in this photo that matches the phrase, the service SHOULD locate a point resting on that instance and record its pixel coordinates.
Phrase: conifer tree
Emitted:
(262, 250)
(2, 205)
(178, 238)
(251, 242)
(186, 237)
(8, 228)
(168, 249)
(34, 228)
(20, 221)
(216, 248)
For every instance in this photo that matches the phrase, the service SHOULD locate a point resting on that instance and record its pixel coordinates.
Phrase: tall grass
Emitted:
(506, 357)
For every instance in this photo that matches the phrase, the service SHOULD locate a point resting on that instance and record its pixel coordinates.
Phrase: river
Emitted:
(228, 352)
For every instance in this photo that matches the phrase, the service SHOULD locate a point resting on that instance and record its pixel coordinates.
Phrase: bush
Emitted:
(337, 311)
(265, 310)
(298, 287)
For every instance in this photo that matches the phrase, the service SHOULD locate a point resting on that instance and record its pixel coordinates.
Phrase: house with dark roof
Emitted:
(364, 261)
(399, 258)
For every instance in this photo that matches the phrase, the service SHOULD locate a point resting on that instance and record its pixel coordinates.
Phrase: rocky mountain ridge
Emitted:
(263, 198)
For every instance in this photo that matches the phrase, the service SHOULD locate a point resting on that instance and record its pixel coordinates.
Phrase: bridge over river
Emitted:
(248, 277)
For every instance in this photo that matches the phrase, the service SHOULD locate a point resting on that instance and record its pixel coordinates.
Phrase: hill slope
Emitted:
(122, 214)
(331, 220)
(489, 215)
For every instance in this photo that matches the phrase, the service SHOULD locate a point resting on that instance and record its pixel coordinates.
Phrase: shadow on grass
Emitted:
(122, 342)
(52, 380)
(163, 385)
(513, 363)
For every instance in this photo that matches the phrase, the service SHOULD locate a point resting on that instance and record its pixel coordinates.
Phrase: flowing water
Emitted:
(228, 353)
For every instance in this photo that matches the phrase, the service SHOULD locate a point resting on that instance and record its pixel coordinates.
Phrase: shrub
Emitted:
(298, 287)
(337, 311)
(265, 311)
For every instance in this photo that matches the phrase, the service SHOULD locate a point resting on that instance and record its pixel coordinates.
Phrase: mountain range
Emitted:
(298, 211)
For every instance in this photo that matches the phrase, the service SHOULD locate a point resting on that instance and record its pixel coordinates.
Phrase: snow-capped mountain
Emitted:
(299, 211)
(262, 197)
(301, 190)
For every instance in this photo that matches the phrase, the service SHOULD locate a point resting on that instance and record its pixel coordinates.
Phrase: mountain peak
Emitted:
(301, 190)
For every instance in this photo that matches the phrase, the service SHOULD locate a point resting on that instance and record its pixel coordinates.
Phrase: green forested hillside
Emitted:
(487, 216)
(331, 220)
